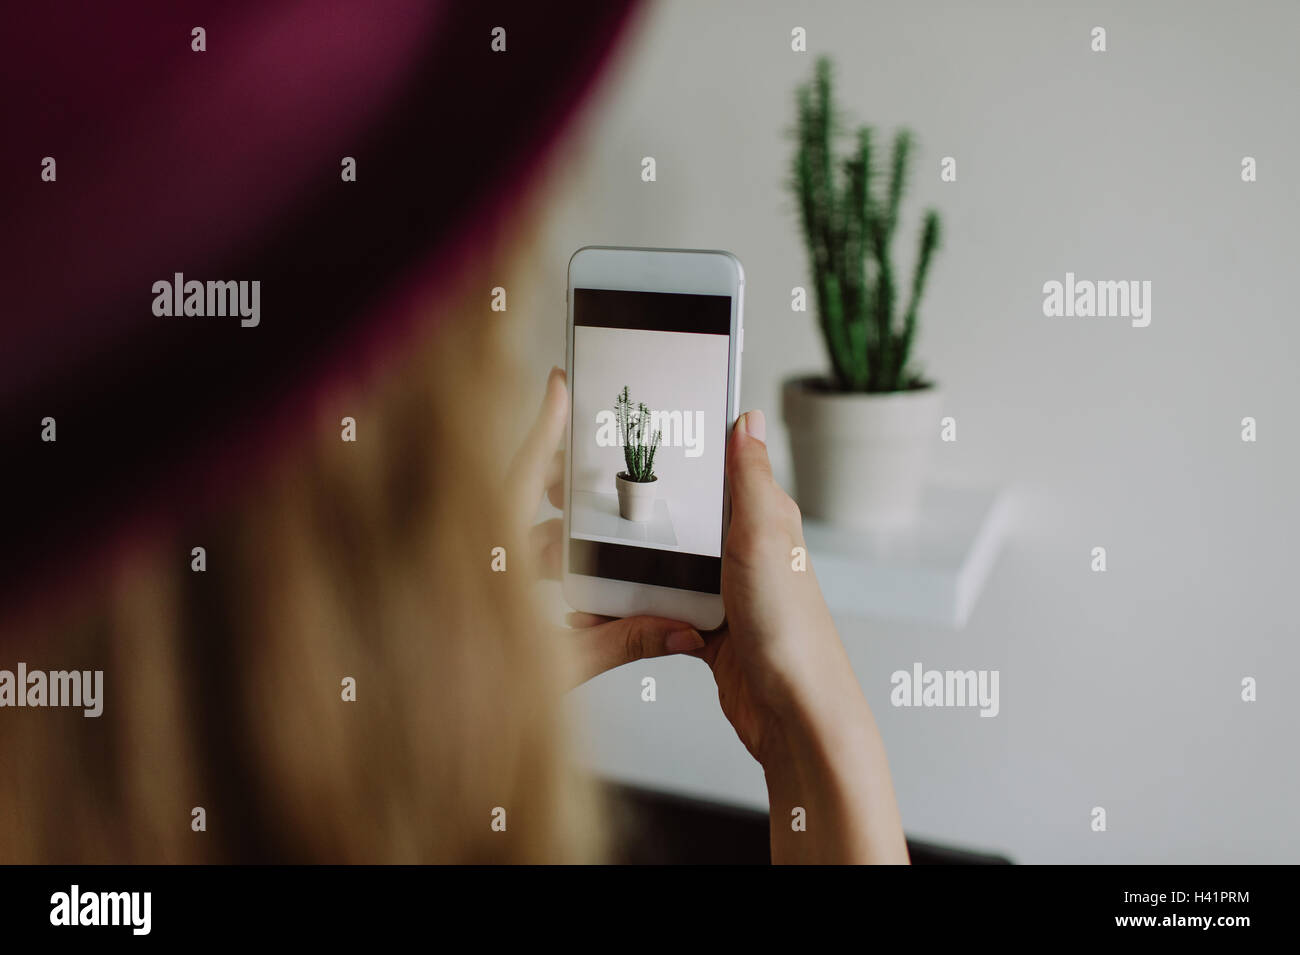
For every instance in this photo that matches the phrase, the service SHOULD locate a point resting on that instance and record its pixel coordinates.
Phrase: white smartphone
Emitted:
(654, 344)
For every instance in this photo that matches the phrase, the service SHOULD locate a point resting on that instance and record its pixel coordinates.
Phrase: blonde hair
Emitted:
(223, 689)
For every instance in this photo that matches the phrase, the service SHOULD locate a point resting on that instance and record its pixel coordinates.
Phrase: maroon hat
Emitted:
(134, 162)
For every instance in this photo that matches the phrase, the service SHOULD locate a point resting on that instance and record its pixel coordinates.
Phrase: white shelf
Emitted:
(933, 571)
(596, 517)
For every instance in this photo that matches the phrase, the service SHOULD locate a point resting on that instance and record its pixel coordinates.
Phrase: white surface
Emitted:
(1119, 689)
(596, 517)
(669, 371)
(931, 571)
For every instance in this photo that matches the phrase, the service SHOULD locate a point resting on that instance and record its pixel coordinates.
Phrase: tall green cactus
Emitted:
(848, 230)
(639, 446)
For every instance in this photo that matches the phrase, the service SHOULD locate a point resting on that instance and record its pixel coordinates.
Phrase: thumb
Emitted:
(749, 471)
(611, 644)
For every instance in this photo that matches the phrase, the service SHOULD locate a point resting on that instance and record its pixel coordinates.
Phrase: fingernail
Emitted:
(680, 641)
(756, 425)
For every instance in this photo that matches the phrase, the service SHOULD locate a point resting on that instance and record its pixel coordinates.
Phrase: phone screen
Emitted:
(651, 374)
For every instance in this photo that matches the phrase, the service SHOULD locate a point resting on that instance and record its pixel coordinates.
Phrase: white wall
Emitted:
(669, 371)
(1118, 689)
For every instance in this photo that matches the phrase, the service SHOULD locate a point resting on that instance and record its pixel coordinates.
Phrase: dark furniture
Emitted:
(655, 828)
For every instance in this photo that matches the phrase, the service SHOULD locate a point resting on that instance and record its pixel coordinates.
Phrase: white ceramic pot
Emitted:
(636, 499)
(860, 460)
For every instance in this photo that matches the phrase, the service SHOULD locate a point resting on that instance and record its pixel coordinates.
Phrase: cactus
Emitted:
(848, 230)
(633, 434)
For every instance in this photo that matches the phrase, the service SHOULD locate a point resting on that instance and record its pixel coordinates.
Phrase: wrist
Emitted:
(825, 764)
(810, 718)
(811, 694)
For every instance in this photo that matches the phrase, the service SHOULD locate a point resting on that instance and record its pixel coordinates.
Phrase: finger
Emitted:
(528, 469)
(617, 642)
(749, 472)
(545, 539)
(713, 641)
(555, 480)
(580, 620)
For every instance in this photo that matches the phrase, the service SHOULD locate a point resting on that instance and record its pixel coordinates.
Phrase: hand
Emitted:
(600, 643)
(786, 683)
(779, 652)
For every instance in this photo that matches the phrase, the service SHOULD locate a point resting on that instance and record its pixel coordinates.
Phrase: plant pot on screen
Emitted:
(637, 483)
(860, 437)
(636, 499)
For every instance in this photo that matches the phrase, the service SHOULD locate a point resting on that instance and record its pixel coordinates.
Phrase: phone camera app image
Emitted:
(650, 378)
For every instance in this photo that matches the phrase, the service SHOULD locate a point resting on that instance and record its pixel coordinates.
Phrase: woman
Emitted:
(306, 654)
